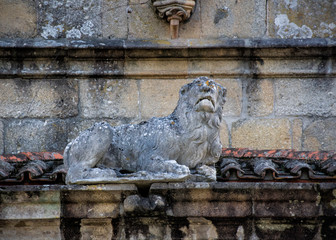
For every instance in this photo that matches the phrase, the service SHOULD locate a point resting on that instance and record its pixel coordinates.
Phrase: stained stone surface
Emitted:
(320, 135)
(18, 19)
(69, 18)
(114, 19)
(260, 97)
(233, 19)
(301, 19)
(160, 149)
(312, 97)
(2, 145)
(21, 98)
(261, 134)
(109, 98)
(35, 135)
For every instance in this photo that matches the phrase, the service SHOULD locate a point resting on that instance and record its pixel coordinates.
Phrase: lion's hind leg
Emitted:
(84, 153)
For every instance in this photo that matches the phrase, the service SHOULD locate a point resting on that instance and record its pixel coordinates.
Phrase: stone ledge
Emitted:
(226, 200)
(168, 44)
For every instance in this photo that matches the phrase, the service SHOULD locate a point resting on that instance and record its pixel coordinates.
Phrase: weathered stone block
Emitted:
(30, 205)
(261, 134)
(143, 23)
(233, 104)
(192, 29)
(35, 136)
(2, 145)
(21, 98)
(104, 98)
(219, 18)
(260, 95)
(225, 135)
(320, 135)
(282, 200)
(96, 229)
(158, 98)
(154, 67)
(114, 19)
(70, 19)
(201, 228)
(18, 19)
(46, 229)
(297, 134)
(282, 229)
(286, 19)
(223, 67)
(95, 201)
(327, 197)
(312, 97)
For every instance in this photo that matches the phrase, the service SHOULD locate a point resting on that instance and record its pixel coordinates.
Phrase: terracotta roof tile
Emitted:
(236, 164)
(279, 154)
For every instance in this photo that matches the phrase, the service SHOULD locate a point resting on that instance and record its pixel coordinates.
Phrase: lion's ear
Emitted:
(184, 89)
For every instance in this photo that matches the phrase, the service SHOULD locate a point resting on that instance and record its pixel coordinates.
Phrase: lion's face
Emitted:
(204, 95)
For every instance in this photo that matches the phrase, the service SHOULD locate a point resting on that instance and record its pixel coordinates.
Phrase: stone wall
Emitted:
(184, 211)
(135, 19)
(278, 98)
(65, 64)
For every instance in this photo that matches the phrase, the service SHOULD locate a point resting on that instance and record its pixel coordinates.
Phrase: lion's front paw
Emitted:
(208, 172)
(173, 167)
(159, 165)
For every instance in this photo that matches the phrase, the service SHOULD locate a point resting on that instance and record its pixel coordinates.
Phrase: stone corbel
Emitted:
(174, 11)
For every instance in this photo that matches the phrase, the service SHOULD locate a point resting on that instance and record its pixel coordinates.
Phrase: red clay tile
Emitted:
(43, 155)
(14, 158)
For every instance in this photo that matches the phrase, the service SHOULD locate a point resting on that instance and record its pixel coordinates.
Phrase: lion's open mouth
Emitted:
(205, 104)
(207, 98)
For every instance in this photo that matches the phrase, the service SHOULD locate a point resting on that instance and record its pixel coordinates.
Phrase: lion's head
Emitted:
(202, 96)
(199, 111)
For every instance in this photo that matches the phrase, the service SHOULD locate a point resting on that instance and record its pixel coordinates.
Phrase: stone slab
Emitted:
(18, 19)
(301, 19)
(22, 98)
(98, 229)
(2, 144)
(282, 229)
(220, 19)
(158, 98)
(30, 205)
(69, 19)
(114, 19)
(141, 68)
(260, 94)
(320, 135)
(95, 202)
(46, 229)
(309, 97)
(35, 135)
(261, 134)
(143, 23)
(109, 98)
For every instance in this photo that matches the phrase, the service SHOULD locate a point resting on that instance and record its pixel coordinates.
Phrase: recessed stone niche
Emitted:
(175, 12)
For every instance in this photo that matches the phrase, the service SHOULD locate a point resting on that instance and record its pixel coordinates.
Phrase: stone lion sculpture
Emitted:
(160, 149)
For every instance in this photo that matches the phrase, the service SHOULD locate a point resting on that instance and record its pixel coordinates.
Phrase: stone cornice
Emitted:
(168, 44)
(156, 59)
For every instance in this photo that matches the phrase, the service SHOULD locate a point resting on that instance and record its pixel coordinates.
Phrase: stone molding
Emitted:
(267, 210)
(174, 11)
(132, 59)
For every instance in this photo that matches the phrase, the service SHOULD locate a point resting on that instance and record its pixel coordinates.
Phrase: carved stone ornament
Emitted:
(184, 144)
(174, 11)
